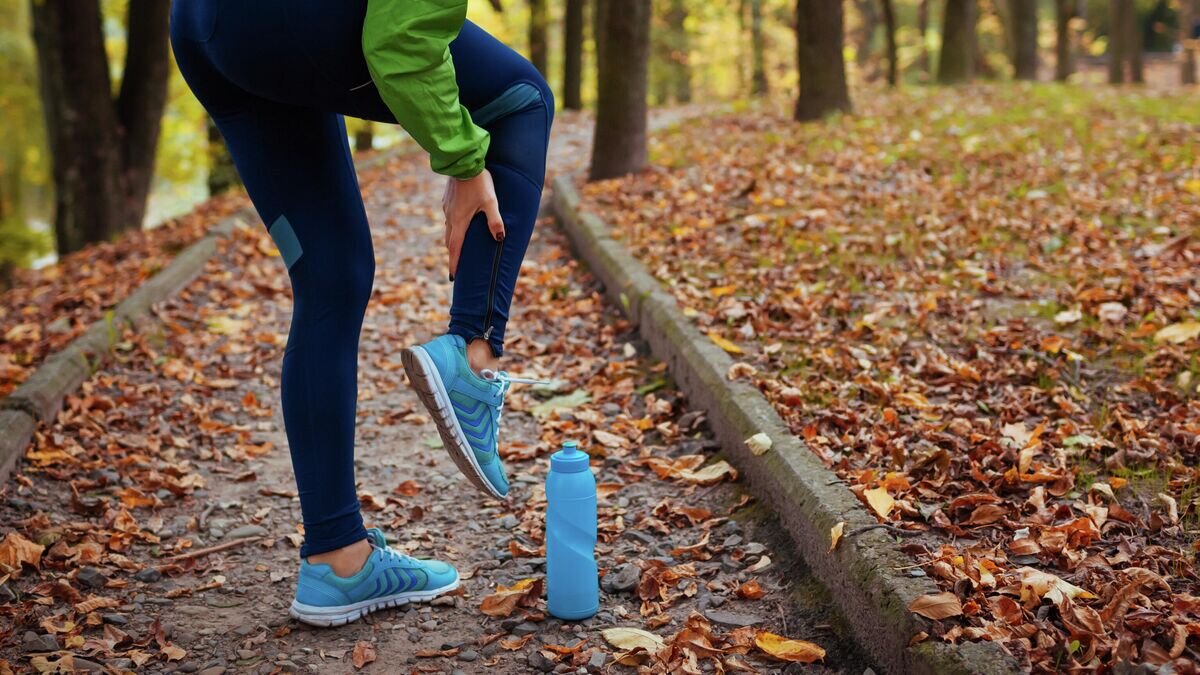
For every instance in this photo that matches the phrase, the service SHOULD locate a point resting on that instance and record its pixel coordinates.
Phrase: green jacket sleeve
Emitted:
(406, 44)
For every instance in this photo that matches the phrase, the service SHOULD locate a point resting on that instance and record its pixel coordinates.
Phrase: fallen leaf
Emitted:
(1178, 333)
(880, 501)
(524, 593)
(632, 638)
(784, 649)
(759, 443)
(937, 606)
(724, 344)
(835, 535)
(16, 551)
(364, 653)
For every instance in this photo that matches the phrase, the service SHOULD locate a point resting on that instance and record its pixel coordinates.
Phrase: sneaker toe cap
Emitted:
(440, 573)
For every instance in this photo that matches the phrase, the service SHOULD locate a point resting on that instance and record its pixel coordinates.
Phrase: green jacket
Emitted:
(406, 44)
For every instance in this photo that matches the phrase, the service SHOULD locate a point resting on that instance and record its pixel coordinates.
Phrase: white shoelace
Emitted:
(505, 381)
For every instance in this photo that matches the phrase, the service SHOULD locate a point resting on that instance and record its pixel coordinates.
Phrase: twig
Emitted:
(204, 516)
(200, 552)
(881, 526)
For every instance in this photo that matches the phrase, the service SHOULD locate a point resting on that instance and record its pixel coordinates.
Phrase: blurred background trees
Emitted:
(128, 145)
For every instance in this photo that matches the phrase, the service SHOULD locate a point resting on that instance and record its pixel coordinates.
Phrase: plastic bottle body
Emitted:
(572, 582)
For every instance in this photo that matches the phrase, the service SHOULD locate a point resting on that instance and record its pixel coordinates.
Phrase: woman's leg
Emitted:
(297, 167)
(511, 100)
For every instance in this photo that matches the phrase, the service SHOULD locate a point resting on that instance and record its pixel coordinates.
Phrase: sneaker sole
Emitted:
(341, 615)
(425, 379)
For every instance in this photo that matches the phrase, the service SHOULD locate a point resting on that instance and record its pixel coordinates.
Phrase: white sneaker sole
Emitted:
(341, 615)
(425, 379)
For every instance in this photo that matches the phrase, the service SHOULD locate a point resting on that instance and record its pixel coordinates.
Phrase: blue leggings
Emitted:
(277, 76)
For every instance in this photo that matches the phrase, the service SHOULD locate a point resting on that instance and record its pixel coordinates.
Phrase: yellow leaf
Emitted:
(505, 600)
(724, 344)
(722, 290)
(632, 638)
(1045, 585)
(1178, 333)
(880, 501)
(937, 606)
(785, 649)
(835, 535)
(1192, 186)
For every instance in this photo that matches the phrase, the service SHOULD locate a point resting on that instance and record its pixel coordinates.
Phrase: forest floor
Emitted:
(154, 527)
(980, 307)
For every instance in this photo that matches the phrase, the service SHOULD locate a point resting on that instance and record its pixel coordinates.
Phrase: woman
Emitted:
(277, 76)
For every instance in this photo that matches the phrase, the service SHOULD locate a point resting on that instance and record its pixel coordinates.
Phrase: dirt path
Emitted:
(179, 446)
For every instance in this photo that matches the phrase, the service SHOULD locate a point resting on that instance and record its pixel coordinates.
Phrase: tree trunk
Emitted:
(537, 35)
(820, 32)
(1118, 39)
(1187, 19)
(1064, 59)
(957, 60)
(889, 26)
(141, 101)
(870, 19)
(1137, 73)
(758, 51)
(619, 142)
(81, 122)
(1025, 38)
(222, 174)
(923, 34)
(681, 68)
(102, 151)
(599, 19)
(364, 136)
(573, 55)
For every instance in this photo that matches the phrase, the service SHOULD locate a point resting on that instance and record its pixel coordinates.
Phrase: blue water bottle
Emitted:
(572, 585)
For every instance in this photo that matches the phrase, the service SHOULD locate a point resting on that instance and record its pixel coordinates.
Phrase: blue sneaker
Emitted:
(465, 407)
(388, 579)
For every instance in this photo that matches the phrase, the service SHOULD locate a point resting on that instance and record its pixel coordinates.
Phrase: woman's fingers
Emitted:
(494, 221)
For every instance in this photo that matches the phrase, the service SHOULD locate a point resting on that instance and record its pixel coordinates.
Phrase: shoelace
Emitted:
(505, 381)
(396, 556)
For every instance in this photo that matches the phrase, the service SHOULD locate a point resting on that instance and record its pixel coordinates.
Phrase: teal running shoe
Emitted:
(388, 579)
(465, 407)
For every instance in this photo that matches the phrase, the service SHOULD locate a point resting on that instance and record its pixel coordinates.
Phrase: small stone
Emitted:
(458, 671)
(597, 660)
(189, 667)
(244, 629)
(610, 409)
(6, 595)
(509, 522)
(429, 625)
(640, 536)
(732, 618)
(91, 577)
(731, 527)
(524, 628)
(87, 665)
(148, 575)
(246, 654)
(115, 619)
(540, 663)
(121, 664)
(246, 531)
(443, 601)
(754, 548)
(620, 580)
(731, 541)
(468, 655)
(39, 643)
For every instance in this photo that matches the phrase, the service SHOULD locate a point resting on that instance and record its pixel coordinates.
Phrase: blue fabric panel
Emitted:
(516, 98)
(285, 238)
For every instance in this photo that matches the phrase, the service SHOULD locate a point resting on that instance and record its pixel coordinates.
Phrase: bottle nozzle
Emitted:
(570, 447)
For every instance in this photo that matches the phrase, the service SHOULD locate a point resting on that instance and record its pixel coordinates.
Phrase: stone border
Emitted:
(810, 499)
(40, 397)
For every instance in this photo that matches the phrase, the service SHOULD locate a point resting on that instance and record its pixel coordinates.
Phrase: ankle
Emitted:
(345, 561)
(480, 356)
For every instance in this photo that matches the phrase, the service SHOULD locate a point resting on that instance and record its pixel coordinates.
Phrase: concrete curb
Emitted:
(810, 499)
(39, 398)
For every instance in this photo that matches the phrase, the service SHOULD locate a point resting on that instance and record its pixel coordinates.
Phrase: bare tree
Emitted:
(923, 34)
(956, 63)
(623, 46)
(758, 50)
(102, 149)
(1124, 44)
(573, 54)
(1187, 19)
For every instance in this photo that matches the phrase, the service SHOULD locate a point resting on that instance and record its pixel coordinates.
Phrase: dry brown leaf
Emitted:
(17, 551)
(937, 606)
(524, 593)
(364, 653)
(835, 535)
(880, 501)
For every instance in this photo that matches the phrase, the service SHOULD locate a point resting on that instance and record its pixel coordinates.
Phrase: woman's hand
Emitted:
(462, 200)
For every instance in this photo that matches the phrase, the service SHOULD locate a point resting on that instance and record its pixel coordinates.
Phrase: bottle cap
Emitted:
(570, 459)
